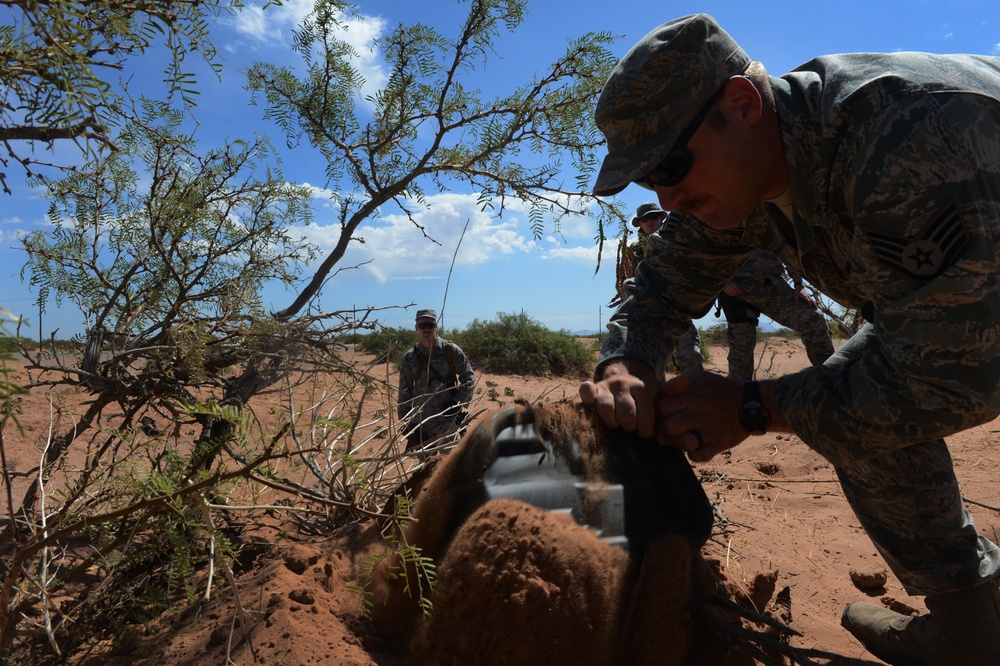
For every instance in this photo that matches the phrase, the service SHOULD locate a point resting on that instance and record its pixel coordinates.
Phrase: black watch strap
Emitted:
(754, 417)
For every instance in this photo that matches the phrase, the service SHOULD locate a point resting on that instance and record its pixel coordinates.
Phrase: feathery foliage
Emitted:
(59, 57)
(430, 127)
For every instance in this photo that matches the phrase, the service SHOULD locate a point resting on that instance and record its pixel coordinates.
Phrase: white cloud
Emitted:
(14, 236)
(272, 27)
(273, 24)
(396, 249)
(588, 254)
(11, 220)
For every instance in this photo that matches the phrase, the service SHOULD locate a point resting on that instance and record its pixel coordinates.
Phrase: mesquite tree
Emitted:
(60, 58)
(166, 252)
(166, 249)
(430, 126)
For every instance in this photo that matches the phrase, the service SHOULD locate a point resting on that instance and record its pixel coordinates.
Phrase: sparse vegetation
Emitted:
(509, 344)
(387, 343)
(516, 344)
(156, 460)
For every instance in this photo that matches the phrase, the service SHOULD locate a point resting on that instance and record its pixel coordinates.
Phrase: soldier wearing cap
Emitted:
(878, 176)
(435, 384)
(649, 218)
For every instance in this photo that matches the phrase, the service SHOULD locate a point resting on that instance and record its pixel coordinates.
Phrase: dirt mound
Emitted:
(519, 584)
(782, 532)
(515, 583)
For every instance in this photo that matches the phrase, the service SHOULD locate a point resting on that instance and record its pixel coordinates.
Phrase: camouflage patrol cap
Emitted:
(670, 73)
(644, 210)
(427, 314)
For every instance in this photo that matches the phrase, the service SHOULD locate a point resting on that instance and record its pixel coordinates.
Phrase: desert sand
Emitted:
(779, 516)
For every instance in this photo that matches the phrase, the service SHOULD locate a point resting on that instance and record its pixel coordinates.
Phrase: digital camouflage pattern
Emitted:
(687, 357)
(431, 387)
(894, 161)
(687, 353)
(764, 290)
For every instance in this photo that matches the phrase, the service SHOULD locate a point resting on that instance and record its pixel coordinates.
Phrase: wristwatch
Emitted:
(754, 417)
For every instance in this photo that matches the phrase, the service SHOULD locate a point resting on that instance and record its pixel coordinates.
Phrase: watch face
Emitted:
(754, 418)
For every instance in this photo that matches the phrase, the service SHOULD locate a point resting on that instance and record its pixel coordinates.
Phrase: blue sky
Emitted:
(499, 266)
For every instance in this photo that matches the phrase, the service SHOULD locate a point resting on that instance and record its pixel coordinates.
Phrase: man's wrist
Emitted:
(622, 366)
(754, 416)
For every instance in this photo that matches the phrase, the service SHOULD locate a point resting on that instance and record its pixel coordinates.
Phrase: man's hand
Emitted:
(700, 415)
(802, 296)
(623, 399)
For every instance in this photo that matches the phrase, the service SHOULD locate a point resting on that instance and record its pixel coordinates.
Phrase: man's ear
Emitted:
(742, 98)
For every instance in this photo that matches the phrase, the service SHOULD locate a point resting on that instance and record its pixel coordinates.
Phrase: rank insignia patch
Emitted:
(929, 254)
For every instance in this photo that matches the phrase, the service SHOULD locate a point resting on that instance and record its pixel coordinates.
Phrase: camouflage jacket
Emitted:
(432, 385)
(761, 265)
(894, 166)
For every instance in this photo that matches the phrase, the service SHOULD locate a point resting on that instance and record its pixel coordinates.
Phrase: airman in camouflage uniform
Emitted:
(649, 219)
(760, 287)
(435, 383)
(878, 176)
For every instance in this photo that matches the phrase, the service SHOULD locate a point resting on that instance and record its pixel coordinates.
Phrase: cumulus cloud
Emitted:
(273, 24)
(271, 27)
(12, 236)
(393, 247)
(587, 254)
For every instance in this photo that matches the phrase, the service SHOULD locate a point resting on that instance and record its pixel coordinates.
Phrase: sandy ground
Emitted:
(778, 510)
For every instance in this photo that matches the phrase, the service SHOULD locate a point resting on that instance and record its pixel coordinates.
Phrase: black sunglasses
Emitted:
(426, 326)
(677, 163)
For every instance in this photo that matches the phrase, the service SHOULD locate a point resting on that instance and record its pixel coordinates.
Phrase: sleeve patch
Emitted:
(928, 255)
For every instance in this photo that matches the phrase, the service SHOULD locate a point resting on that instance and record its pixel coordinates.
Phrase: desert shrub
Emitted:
(706, 353)
(516, 344)
(388, 342)
(714, 334)
(786, 333)
(391, 343)
(11, 344)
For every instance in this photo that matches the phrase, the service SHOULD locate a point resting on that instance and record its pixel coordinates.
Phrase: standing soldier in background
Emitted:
(760, 287)
(435, 384)
(649, 219)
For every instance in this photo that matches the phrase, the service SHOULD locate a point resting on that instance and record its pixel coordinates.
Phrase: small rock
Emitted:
(303, 596)
(299, 558)
(867, 580)
(899, 606)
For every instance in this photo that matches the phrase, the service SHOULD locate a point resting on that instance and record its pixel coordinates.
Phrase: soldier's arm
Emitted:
(927, 215)
(466, 377)
(676, 282)
(405, 393)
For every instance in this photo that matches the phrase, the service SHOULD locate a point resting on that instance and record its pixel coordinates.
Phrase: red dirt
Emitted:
(781, 522)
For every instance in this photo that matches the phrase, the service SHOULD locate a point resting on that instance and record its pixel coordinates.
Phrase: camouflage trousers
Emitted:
(910, 504)
(433, 429)
(775, 299)
(687, 352)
